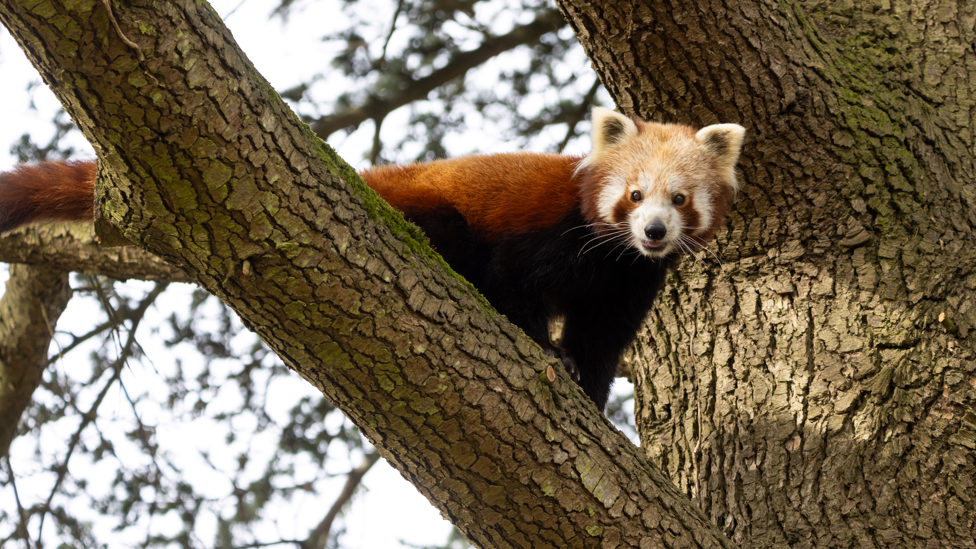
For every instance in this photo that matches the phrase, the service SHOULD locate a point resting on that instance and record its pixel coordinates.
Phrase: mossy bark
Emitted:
(818, 388)
(202, 164)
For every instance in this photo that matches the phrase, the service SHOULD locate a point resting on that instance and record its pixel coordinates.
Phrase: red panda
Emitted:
(540, 235)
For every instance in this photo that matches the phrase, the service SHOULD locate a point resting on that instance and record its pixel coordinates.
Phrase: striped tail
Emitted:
(47, 191)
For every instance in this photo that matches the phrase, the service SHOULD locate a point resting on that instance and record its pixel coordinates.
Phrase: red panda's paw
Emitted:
(570, 364)
(562, 355)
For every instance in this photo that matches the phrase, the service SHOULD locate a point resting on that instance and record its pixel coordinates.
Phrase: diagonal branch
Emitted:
(378, 107)
(320, 535)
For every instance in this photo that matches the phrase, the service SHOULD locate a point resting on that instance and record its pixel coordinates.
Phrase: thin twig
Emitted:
(21, 512)
(374, 155)
(320, 535)
(584, 107)
(393, 27)
(118, 30)
(78, 340)
(89, 417)
(50, 331)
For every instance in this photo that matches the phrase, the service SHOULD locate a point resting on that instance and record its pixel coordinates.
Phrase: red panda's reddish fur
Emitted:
(589, 239)
(47, 191)
(515, 192)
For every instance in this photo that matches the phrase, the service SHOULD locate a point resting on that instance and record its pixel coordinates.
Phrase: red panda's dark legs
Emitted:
(594, 342)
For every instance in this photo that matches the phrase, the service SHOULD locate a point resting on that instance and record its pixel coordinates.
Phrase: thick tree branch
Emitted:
(202, 164)
(376, 108)
(32, 302)
(72, 247)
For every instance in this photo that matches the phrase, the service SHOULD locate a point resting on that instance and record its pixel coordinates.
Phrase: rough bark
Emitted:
(73, 247)
(817, 389)
(33, 300)
(203, 165)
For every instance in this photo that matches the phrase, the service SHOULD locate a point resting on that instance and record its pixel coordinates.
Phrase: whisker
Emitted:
(700, 244)
(621, 238)
(616, 231)
(684, 246)
(622, 252)
(637, 255)
(601, 239)
(588, 226)
(693, 254)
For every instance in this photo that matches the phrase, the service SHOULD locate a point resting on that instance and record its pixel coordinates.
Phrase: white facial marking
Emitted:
(657, 209)
(674, 184)
(703, 205)
(609, 196)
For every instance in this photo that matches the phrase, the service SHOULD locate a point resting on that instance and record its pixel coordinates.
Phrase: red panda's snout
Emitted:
(656, 225)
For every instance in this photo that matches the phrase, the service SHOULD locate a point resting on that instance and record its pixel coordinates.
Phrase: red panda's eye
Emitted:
(636, 196)
(678, 199)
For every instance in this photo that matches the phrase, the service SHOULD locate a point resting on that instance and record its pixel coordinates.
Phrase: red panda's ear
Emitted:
(609, 130)
(724, 142)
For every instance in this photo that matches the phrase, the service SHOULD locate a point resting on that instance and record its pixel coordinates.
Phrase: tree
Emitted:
(817, 390)
(814, 391)
(125, 311)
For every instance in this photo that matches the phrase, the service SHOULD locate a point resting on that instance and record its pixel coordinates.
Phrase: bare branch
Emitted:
(413, 90)
(320, 535)
(73, 248)
(579, 114)
(87, 418)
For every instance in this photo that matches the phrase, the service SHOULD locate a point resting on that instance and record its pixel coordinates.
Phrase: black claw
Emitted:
(569, 363)
(563, 356)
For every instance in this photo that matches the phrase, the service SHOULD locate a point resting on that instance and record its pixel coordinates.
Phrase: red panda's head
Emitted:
(662, 188)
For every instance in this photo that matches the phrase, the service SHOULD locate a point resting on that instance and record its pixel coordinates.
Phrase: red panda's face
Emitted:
(660, 188)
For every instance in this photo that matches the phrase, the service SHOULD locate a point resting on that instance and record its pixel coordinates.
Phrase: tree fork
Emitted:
(203, 165)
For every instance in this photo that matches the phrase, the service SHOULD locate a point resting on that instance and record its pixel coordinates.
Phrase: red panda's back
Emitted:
(497, 194)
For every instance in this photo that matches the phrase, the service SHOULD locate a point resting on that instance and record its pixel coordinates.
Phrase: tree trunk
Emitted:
(34, 299)
(817, 389)
(202, 164)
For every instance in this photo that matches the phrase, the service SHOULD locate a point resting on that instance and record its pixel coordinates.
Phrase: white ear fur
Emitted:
(609, 130)
(724, 141)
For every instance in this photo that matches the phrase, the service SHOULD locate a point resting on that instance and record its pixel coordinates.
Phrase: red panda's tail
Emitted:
(47, 191)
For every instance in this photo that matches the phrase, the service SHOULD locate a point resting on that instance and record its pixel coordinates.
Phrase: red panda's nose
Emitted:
(655, 230)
